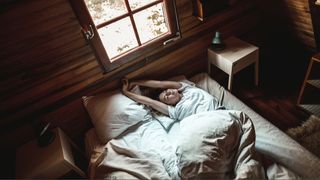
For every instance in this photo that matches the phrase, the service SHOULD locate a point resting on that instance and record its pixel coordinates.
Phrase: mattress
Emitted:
(270, 140)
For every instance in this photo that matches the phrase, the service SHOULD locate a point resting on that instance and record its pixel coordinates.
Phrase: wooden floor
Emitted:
(275, 102)
(276, 105)
(283, 65)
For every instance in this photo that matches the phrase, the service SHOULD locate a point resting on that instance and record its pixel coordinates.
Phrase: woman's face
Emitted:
(170, 96)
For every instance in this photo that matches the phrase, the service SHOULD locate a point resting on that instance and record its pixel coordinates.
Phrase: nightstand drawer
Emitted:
(246, 61)
(219, 61)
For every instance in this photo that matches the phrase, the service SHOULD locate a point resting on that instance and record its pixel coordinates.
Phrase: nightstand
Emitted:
(52, 161)
(236, 56)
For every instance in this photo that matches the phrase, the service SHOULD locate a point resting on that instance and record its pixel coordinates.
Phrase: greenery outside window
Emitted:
(122, 30)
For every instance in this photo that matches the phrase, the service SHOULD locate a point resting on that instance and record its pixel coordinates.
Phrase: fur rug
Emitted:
(308, 134)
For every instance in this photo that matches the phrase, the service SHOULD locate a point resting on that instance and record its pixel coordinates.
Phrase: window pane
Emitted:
(134, 4)
(150, 23)
(103, 10)
(118, 37)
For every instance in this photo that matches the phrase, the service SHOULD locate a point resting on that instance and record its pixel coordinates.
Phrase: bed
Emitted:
(142, 144)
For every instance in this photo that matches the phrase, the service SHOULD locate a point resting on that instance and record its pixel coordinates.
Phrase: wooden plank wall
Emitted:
(314, 7)
(46, 65)
(293, 17)
(300, 22)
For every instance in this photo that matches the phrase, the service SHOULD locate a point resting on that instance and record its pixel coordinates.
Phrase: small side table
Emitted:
(52, 161)
(236, 56)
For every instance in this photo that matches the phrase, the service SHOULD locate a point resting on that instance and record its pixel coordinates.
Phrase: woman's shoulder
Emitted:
(185, 85)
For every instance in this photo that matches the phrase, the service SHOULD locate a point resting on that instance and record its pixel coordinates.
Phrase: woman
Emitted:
(177, 100)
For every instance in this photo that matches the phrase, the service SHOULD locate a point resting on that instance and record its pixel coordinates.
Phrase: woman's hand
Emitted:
(125, 85)
(132, 84)
(128, 85)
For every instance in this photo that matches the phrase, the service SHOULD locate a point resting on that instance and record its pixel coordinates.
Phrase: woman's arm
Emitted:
(157, 105)
(158, 84)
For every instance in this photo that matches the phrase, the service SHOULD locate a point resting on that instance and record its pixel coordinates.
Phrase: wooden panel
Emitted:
(300, 20)
(46, 65)
(289, 17)
(315, 16)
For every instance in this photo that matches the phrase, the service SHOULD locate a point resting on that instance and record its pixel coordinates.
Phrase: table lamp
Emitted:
(217, 43)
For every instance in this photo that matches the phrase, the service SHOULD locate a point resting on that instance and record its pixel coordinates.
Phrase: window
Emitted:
(122, 30)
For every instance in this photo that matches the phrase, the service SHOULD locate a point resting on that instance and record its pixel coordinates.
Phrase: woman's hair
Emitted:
(152, 93)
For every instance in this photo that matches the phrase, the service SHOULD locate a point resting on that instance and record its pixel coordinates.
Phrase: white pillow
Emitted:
(207, 145)
(112, 113)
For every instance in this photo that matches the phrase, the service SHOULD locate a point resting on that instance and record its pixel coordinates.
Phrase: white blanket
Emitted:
(144, 153)
(216, 144)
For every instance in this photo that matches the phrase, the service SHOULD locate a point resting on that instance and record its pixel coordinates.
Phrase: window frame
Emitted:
(100, 52)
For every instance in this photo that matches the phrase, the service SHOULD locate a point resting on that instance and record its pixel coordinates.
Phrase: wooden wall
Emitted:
(314, 6)
(300, 20)
(46, 65)
(293, 17)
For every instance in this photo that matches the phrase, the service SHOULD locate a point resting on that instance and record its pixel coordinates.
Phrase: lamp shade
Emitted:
(217, 43)
(216, 39)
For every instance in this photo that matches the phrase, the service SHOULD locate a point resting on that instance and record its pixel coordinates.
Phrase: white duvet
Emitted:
(141, 153)
(216, 144)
